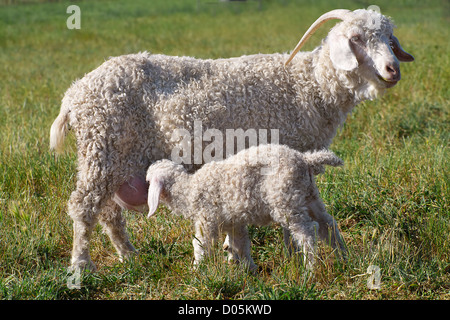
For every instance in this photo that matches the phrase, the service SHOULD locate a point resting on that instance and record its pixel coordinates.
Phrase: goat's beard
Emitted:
(370, 91)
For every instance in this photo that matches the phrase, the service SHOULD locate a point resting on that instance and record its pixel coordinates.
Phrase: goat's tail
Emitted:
(317, 159)
(58, 130)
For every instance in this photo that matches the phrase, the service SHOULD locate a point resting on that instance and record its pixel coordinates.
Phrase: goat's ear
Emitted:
(401, 54)
(154, 193)
(341, 53)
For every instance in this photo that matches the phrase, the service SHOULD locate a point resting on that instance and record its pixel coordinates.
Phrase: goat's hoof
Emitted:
(82, 265)
(128, 255)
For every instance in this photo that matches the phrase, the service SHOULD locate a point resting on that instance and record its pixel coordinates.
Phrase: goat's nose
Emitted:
(393, 71)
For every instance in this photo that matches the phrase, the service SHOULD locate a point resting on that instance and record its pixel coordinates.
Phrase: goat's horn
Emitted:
(334, 14)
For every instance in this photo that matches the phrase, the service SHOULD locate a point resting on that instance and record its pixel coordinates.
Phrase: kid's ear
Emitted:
(341, 54)
(154, 193)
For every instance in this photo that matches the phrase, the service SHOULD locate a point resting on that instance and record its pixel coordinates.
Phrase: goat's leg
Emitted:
(239, 247)
(231, 254)
(114, 225)
(289, 242)
(84, 207)
(304, 233)
(227, 248)
(328, 228)
(204, 239)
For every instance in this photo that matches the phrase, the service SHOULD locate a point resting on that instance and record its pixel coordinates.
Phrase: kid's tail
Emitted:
(316, 160)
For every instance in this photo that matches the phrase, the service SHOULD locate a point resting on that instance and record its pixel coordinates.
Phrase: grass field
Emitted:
(391, 200)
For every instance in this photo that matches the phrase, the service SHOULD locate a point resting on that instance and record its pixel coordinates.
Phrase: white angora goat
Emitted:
(126, 112)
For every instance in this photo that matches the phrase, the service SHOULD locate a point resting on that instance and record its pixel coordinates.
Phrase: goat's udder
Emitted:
(132, 195)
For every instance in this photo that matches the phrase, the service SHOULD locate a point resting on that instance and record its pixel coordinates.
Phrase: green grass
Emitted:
(391, 199)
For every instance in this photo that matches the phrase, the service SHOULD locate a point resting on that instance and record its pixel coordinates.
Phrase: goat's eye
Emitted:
(391, 44)
(355, 39)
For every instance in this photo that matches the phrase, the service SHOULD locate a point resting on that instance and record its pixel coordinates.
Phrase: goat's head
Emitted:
(363, 40)
(161, 176)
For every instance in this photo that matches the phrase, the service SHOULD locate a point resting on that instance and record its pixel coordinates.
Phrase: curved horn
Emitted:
(334, 14)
